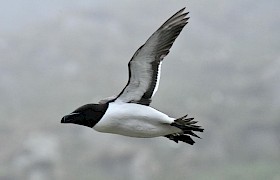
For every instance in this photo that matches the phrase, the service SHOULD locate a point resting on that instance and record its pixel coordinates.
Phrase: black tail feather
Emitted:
(187, 126)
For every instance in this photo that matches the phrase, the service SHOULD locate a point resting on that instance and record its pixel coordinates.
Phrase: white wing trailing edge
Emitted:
(144, 66)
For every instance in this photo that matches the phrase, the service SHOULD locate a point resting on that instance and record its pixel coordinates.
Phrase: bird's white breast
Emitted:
(135, 120)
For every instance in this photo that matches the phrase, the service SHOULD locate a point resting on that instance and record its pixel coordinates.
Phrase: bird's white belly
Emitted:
(135, 120)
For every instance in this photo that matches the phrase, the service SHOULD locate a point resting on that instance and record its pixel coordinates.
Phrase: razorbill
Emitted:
(129, 113)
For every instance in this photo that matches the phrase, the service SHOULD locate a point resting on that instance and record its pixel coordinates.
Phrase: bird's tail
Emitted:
(187, 125)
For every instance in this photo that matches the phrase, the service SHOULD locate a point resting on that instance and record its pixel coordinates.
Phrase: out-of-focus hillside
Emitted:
(223, 70)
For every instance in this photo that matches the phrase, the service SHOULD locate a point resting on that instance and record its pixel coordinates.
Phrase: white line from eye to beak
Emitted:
(73, 113)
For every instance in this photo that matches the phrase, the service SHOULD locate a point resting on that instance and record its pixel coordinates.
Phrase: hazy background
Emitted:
(223, 70)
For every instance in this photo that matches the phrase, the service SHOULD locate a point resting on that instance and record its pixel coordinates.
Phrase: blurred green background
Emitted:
(223, 70)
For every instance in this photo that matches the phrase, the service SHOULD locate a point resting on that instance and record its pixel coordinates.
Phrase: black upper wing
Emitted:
(144, 66)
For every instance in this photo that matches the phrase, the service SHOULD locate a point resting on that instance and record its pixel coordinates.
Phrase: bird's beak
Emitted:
(70, 118)
(78, 118)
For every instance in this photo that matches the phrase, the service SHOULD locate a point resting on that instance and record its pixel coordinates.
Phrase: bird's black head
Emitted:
(86, 115)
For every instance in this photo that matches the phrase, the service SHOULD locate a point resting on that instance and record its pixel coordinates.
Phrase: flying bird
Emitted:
(129, 113)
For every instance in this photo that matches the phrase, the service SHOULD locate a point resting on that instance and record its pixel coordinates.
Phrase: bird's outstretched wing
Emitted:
(144, 66)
